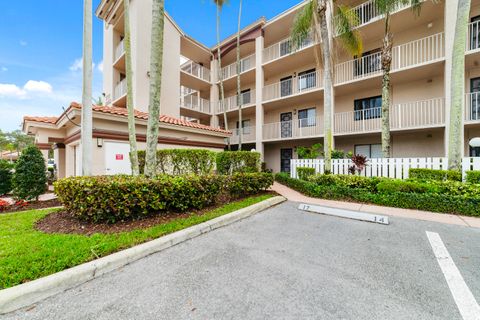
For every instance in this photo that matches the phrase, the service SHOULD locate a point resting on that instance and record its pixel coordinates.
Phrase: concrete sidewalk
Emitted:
(295, 196)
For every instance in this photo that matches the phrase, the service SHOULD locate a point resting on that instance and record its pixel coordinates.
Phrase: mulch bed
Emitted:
(33, 205)
(67, 223)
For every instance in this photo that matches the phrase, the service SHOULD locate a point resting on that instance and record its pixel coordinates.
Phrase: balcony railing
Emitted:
(472, 107)
(473, 37)
(292, 86)
(231, 103)
(246, 64)
(196, 70)
(407, 55)
(418, 114)
(300, 128)
(120, 89)
(285, 48)
(196, 103)
(248, 135)
(119, 50)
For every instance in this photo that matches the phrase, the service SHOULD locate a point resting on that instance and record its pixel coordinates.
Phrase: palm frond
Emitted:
(345, 22)
(220, 3)
(302, 25)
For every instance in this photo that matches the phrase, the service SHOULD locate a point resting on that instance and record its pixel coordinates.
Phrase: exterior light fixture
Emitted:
(99, 142)
(474, 143)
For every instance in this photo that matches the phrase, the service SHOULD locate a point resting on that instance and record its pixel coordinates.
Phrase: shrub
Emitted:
(229, 162)
(5, 177)
(30, 179)
(473, 176)
(243, 184)
(4, 205)
(304, 172)
(312, 152)
(393, 185)
(181, 161)
(430, 174)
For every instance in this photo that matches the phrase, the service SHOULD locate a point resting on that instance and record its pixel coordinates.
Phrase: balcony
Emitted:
(196, 70)
(248, 135)
(473, 37)
(285, 48)
(120, 50)
(412, 54)
(472, 107)
(231, 103)
(120, 90)
(411, 115)
(293, 86)
(195, 103)
(246, 64)
(295, 129)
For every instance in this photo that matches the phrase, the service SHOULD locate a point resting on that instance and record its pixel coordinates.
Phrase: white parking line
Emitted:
(466, 303)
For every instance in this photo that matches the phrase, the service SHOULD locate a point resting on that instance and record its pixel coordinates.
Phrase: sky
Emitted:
(41, 48)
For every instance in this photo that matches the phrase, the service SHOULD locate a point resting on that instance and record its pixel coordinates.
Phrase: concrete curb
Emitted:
(23, 295)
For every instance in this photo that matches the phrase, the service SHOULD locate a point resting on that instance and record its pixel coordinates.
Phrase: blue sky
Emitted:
(41, 48)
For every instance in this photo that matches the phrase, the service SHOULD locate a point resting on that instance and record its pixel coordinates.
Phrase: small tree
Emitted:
(5, 177)
(30, 179)
(313, 152)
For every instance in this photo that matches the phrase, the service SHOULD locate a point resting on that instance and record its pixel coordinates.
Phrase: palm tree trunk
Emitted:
(132, 136)
(239, 87)
(86, 138)
(156, 64)
(220, 74)
(386, 87)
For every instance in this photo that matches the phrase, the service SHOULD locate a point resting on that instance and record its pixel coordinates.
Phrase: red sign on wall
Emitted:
(119, 157)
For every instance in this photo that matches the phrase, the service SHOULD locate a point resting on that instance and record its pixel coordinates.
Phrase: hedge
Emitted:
(383, 191)
(305, 172)
(229, 162)
(181, 161)
(5, 177)
(431, 174)
(473, 176)
(119, 198)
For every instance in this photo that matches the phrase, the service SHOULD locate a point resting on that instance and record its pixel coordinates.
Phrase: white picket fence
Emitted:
(396, 168)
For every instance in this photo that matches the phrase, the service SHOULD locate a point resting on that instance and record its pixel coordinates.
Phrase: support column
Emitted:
(214, 93)
(60, 160)
(259, 83)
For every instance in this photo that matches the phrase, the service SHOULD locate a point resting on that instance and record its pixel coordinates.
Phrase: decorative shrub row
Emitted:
(5, 177)
(305, 172)
(117, 198)
(437, 196)
(473, 176)
(229, 162)
(181, 161)
(431, 174)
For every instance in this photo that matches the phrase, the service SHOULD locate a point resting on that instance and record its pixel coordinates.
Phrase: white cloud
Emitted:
(38, 86)
(23, 43)
(77, 65)
(11, 90)
(32, 86)
(100, 66)
(4, 69)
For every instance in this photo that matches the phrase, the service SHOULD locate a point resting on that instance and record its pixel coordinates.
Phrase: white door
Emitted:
(117, 159)
(77, 151)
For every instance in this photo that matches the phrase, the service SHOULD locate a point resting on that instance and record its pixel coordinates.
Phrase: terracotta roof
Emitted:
(138, 115)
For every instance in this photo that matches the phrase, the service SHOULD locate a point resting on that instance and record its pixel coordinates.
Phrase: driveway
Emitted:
(284, 264)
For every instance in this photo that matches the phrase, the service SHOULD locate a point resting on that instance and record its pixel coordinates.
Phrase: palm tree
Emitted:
(239, 87)
(386, 8)
(219, 4)
(457, 87)
(156, 65)
(316, 16)
(86, 125)
(132, 136)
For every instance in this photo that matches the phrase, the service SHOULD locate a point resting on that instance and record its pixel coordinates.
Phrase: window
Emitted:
(368, 108)
(474, 33)
(246, 97)
(307, 118)
(245, 126)
(286, 86)
(474, 100)
(307, 80)
(285, 48)
(369, 150)
(368, 63)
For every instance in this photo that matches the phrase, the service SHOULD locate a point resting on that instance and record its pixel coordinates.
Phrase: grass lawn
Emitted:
(27, 254)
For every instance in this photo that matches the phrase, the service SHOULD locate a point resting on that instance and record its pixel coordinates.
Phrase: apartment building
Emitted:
(282, 89)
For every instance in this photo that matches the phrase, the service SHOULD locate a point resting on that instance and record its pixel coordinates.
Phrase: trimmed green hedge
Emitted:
(229, 162)
(431, 174)
(473, 176)
(5, 177)
(118, 198)
(448, 197)
(181, 161)
(304, 172)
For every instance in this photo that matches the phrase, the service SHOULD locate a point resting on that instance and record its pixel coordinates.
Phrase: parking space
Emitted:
(284, 264)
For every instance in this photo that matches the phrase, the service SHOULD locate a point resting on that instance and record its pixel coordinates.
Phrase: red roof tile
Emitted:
(51, 120)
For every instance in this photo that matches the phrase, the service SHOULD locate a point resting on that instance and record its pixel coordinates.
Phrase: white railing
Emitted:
(300, 128)
(407, 55)
(194, 102)
(295, 85)
(120, 89)
(246, 64)
(119, 50)
(231, 103)
(196, 70)
(417, 114)
(248, 135)
(472, 107)
(285, 48)
(473, 36)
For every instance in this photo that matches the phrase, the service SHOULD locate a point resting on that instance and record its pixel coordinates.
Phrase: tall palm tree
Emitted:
(239, 85)
(132, 135)
(86, 126)
(317, 16)
(156, 65)
(219, 4)
(387, 8)
(457, 87)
